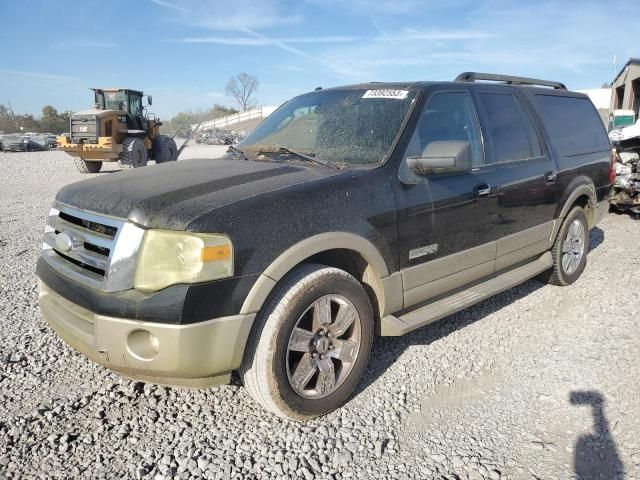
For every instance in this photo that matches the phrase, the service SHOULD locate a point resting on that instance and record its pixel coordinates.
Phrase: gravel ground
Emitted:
(539, 382)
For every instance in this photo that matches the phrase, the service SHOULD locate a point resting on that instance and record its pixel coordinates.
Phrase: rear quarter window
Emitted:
(573, 124)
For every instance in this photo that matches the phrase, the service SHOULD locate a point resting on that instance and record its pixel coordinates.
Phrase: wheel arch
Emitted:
(347, 251)
(581, 192)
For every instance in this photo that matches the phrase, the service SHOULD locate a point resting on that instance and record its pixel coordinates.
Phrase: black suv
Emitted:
(352, 211)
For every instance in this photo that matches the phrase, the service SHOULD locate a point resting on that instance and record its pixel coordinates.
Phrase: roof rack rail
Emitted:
(475, 76)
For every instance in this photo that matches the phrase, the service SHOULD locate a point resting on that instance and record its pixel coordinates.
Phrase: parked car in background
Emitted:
(15, 142)
(52, 140)
(31, 142)
(39, 141)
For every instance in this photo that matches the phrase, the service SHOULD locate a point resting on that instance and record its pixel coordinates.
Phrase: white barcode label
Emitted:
(386, 93)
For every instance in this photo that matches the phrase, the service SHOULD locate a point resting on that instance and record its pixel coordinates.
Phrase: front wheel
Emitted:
(569, 251)
(134, 154)
(311, 343)
(87, 166)
(164, 149)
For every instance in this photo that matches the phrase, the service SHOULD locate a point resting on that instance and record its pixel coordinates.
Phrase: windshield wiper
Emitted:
(287, 151)
(238, 152)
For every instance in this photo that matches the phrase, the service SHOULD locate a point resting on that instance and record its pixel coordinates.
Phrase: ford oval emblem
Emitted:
(64, 242)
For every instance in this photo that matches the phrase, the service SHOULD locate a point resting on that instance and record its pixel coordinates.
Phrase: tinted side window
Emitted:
(506, 128)
(448, 116)
(573, 124)
(135, 105)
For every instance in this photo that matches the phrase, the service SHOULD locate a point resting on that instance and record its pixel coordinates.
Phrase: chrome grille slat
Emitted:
(81, 255)
(81, 233)
(72, 271)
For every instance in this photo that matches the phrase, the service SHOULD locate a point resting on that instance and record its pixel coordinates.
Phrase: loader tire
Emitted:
(134, 154)
(164, 149)
(87, 166)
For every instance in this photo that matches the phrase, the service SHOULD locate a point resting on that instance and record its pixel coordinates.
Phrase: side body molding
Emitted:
(375, 274)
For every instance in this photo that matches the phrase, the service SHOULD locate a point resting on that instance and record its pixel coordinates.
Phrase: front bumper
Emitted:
(195, 355)
(103, 150)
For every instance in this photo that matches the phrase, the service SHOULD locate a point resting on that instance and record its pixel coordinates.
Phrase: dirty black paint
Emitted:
(267, 207)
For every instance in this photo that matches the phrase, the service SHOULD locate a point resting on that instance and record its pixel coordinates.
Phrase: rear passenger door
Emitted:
(524, 174)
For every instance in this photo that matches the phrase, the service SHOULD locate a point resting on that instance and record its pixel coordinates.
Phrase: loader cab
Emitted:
(129, 101)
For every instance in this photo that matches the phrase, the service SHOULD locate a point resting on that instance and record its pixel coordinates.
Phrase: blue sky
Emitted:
(184, 51)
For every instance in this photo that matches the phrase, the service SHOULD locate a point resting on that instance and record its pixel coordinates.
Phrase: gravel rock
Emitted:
(490, 392)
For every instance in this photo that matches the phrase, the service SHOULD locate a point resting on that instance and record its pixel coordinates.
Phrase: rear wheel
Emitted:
(310, 344)
(134, 154)
(569, 251)
(87, 166)
(164, 149)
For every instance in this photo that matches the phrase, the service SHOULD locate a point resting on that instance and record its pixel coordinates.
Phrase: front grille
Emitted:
(80, 244)
(91, 249)
(84, 129)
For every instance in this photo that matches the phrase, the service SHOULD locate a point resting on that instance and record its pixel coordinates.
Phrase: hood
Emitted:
(96, 112)
(172, 195)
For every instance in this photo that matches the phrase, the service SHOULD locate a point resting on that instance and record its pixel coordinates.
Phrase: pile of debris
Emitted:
(626, 143)
(219, 137)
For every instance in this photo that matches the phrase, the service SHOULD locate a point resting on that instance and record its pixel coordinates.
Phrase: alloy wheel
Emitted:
(573, 247)
(323, 346)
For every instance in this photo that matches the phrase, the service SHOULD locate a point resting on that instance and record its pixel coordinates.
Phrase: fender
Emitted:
(305, 249)
(578, 187)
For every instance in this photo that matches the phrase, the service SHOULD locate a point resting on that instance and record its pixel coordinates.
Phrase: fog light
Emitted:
(143, 344)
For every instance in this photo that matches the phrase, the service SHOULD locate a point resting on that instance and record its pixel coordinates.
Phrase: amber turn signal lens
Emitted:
(218, 252)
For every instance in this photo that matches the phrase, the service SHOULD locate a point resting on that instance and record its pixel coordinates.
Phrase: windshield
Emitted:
(112, 100)
(354, 126)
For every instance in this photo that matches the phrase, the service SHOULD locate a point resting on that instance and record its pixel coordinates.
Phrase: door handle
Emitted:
(551, 176)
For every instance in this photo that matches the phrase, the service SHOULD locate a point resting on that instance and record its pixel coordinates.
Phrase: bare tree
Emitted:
(242, 88)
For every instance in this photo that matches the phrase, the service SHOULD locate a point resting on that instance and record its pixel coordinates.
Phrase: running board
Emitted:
(392, 326)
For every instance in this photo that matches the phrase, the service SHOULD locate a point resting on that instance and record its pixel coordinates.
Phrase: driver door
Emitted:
(445, 220)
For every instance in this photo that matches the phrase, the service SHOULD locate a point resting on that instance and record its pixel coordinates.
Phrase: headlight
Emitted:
(168, 257)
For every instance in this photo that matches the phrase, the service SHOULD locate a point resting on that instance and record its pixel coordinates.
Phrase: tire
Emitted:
(566, 242)
(164, 149)
(85, 166)
(134, 154)
(274, 357)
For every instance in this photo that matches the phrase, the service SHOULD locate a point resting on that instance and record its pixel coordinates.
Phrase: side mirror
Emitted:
(149, 100)
(442, 157)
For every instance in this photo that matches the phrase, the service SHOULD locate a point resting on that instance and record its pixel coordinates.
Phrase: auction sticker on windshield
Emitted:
(387, 93)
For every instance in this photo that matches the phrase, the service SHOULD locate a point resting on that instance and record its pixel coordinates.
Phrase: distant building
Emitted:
(626, 87)
(601, 97)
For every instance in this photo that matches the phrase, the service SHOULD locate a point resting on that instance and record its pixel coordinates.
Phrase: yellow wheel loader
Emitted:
(117, 129)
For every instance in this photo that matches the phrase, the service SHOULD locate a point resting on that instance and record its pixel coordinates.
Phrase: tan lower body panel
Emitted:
(197, 355)
(450, 282)
(524, 245)
(394, 326)
(431, 279)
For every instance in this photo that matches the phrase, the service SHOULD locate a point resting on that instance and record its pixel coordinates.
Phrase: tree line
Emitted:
(50, 121)
(182, 121)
